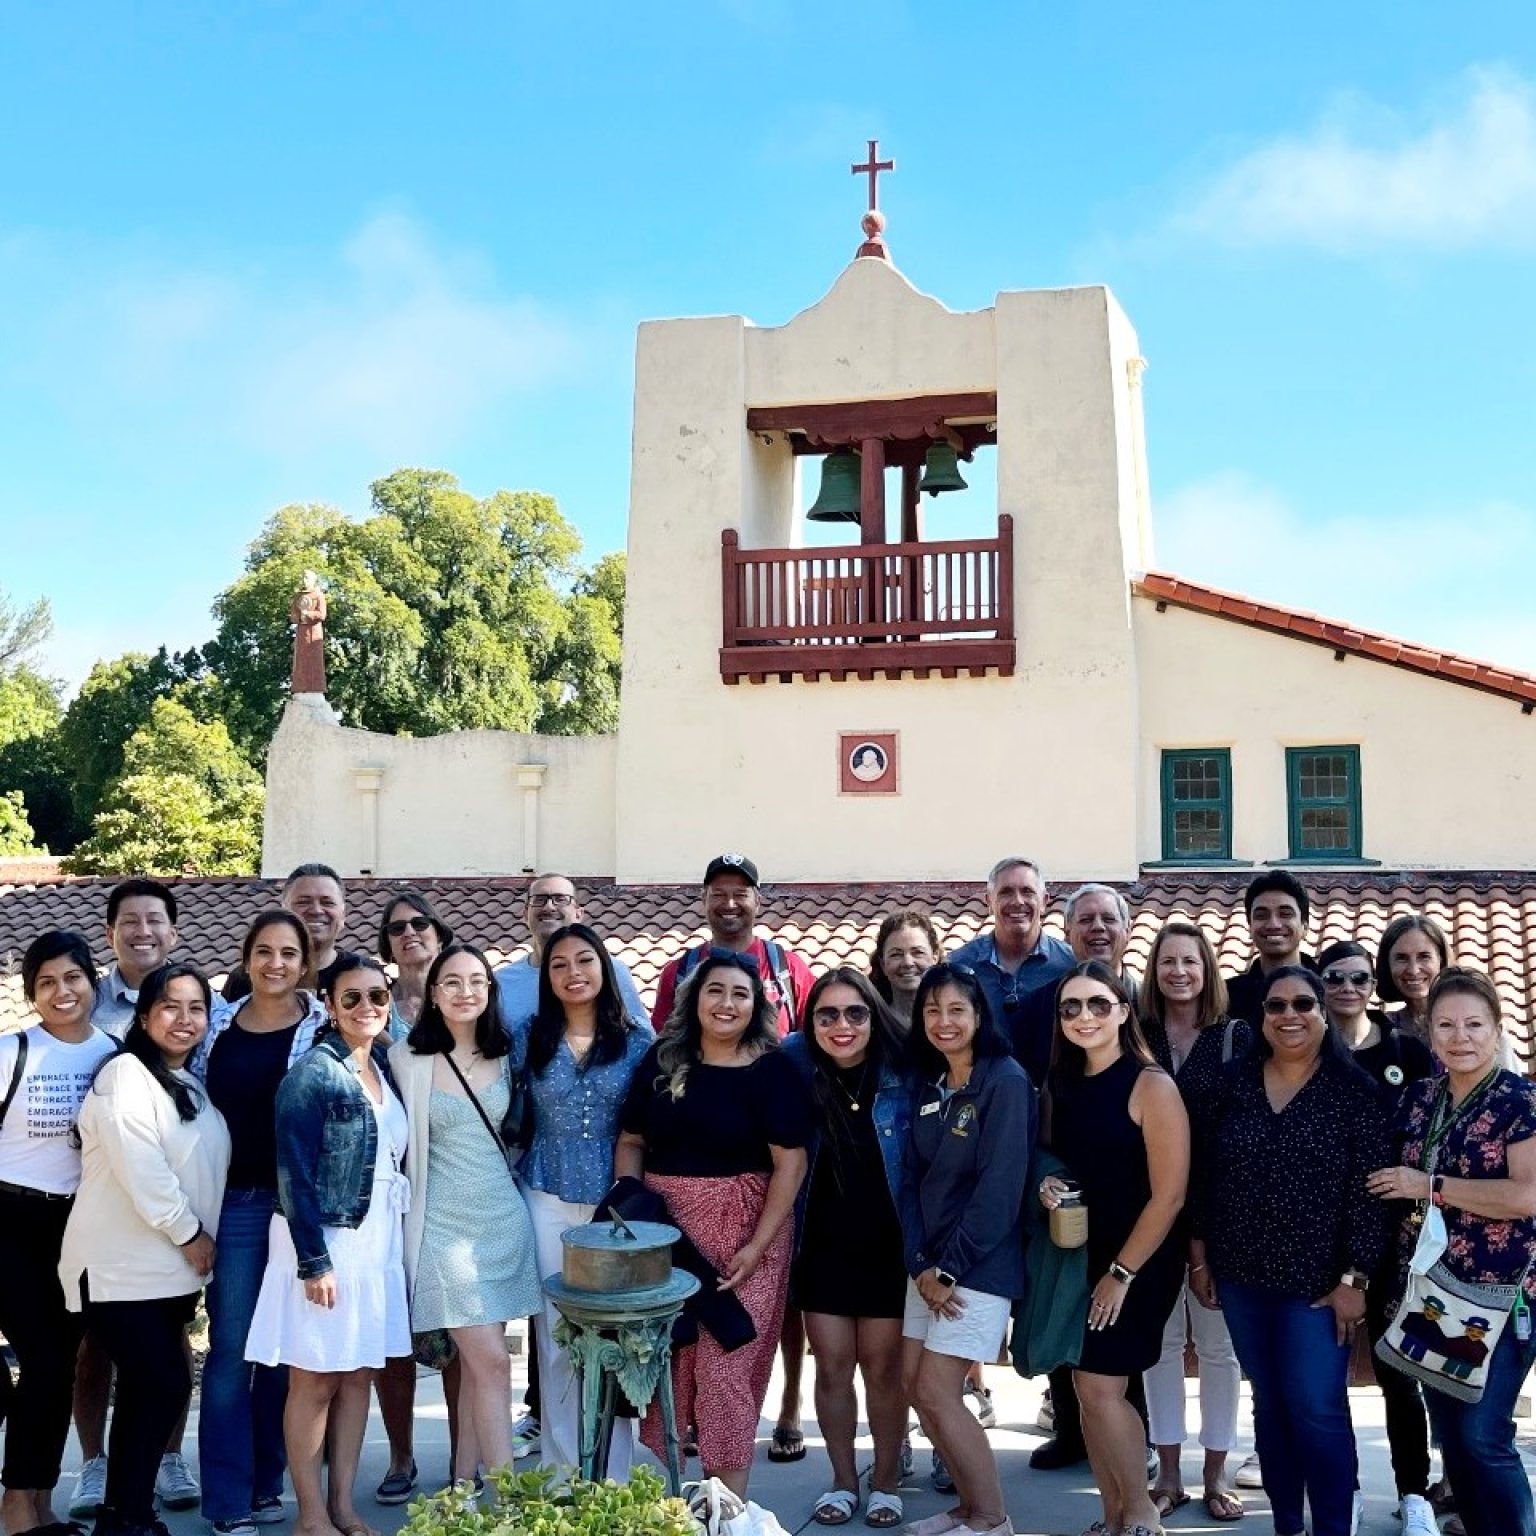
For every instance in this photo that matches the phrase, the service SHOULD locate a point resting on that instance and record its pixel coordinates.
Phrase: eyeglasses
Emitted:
(1275, 1006)
(1100, 1007)
(456, 986)
(1346, 978)
(416, 924)
(856, 1014)
(353, 998)
(557, 899)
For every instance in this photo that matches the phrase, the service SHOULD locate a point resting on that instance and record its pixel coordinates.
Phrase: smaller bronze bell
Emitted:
(838, 501)
(941, 470)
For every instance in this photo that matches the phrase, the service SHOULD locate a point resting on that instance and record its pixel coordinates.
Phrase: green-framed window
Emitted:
(1323, 798)
(1197, 804)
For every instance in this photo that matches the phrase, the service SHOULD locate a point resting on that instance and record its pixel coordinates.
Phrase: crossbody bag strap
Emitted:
(16, 1075)
(485, 1119)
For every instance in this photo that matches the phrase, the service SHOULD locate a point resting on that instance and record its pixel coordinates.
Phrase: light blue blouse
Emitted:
(576, 1118)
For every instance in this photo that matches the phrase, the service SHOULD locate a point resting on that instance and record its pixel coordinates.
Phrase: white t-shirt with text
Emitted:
(37, 1145)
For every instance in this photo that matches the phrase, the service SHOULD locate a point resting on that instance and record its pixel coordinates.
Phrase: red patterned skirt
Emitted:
(722, 1394)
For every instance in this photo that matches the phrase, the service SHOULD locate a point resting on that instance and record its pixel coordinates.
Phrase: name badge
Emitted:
(930, 1109)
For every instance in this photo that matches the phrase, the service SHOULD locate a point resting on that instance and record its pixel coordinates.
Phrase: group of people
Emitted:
(368, 1156)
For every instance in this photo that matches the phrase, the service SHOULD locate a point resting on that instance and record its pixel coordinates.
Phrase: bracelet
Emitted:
(193, 1238)
(1195, 1269)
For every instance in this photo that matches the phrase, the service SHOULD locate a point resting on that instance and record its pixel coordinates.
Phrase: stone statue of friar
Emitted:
(308, 615)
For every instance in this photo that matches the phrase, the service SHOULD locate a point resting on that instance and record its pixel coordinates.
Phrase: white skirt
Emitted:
(371, 1321)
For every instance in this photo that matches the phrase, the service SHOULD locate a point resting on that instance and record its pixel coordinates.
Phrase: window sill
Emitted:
(1324, 861)
(1197, 864)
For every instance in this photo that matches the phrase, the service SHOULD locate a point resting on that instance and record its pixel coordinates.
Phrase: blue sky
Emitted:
(253, 254)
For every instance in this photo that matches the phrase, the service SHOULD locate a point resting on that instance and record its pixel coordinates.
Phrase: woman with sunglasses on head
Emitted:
(1116, 1119)
(411, 936)
(1287, 1237)
(1393, 1059)
(973, 1129)
(1185, 1022)
(1412, 952)
(716, 1123)
(332, 1306)
(469, 1244)
(850, 1273)
(580, 1052)
(140, 1239)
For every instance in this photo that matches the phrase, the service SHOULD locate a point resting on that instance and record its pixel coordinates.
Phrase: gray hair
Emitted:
(1095, 888)
(1013, 861)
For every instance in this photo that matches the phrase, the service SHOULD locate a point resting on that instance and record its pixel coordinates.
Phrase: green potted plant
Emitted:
(547, 1502)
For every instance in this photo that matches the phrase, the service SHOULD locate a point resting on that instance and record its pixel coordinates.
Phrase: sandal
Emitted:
(1223, 1505)
(1166, 1500)
(788, 1444)
(835, 1507)
(884, 1510)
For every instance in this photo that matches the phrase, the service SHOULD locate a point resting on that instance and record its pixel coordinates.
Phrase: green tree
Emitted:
(186, 802)
(16, 834)
(23, 631)
(445, 610)
(35, 808)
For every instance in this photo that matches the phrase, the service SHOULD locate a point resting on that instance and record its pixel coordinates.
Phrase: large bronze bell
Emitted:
(838, 501)
(941, 470)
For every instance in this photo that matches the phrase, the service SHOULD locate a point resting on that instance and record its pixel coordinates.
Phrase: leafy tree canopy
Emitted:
(186, 802)
(16, 834)
(22, 632)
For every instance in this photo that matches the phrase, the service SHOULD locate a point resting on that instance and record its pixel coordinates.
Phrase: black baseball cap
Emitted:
(732, 864)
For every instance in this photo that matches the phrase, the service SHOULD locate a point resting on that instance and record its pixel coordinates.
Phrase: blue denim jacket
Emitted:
(327, 1144)
(892, 1116)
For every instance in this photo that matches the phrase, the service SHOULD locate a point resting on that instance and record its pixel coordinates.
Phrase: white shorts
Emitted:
(977, 1334)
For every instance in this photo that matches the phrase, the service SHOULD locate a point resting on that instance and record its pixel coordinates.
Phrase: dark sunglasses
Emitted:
(1275, 1006)
(353, 998)
(1346, 978)
(415, 924)
(1072, 1007)
(856, 1014)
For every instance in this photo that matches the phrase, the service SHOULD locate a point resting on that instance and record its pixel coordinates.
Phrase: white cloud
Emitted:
(1455, 581)
(1462, 175)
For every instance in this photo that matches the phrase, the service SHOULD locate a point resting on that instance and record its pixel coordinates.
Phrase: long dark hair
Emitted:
(885, 1042)
(908, 917)
(923, 1056)
(677, 1047)
(1333, 1048)
(136, 1042)
(1069, 1061)
(430, 1035)
(548, 1027)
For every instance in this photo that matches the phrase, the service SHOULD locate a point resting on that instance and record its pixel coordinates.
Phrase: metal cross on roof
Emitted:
(872, 169)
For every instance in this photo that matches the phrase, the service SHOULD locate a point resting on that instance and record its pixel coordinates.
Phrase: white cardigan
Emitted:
(413, 1077)
(147, 1179)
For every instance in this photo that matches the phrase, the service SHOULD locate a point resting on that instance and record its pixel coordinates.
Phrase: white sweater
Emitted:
(147, 1179)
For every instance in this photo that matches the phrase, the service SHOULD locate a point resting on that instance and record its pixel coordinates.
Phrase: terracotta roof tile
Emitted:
(1491, 917)
(1487, 676)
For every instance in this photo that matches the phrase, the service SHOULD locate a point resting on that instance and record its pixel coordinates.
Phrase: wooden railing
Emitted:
(859, 608)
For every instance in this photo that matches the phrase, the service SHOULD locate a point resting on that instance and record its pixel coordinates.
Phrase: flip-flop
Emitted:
(788, 1444)
(884, 1510)
(835, 1507)
(1165, 1501)
(1223, 1505)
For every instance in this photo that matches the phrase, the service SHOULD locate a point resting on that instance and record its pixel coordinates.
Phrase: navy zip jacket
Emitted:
(971, 1161)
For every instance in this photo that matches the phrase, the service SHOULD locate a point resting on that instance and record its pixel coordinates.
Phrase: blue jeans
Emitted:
(1301, 1426)
(1477, 1445)
(240, 1422)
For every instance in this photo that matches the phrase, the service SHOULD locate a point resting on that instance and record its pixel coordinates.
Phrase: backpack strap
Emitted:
(778, 965)
(16, 1074)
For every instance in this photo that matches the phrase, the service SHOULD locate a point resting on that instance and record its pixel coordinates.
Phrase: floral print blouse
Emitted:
(1476, 1146)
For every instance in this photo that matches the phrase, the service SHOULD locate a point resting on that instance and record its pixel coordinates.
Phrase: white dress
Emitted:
(370, 1322)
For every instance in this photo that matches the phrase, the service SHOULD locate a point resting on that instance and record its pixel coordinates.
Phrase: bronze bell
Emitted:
(941, 470)
(838, 501)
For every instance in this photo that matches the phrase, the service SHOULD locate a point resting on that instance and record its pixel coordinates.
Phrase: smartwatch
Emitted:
(944, 1277)
(1119, 1272)
(1353, 1278)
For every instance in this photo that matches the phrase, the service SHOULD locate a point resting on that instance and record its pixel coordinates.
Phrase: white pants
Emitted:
(559, 1401)
(1220, 1377)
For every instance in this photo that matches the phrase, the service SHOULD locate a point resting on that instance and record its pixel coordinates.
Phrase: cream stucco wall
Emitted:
(1447, 773)
(470, 802)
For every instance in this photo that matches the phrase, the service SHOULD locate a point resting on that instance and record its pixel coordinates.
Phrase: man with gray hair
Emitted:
(1014, 960)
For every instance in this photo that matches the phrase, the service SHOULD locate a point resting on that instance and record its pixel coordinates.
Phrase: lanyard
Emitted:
(1445, 1118)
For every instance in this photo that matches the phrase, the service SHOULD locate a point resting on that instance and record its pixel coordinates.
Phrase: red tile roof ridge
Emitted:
(1489, 676)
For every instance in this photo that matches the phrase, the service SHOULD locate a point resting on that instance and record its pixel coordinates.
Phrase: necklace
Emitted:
(842, 1087)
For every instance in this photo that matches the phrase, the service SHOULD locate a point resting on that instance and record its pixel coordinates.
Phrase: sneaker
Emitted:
(907, 1464)
(241, 1525)
(525, 1437)
(175, 1486)
(90, 1489)
(1046, 1418)
(979, 1401)
(269, 1510)
(939, 1479)
(1249, 1475)
(1418, 1517)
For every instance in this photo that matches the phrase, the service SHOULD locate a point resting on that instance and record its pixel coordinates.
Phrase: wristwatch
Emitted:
(1119, 1272)
(1437, 1189)
(1353, 1277)
(944, 1277)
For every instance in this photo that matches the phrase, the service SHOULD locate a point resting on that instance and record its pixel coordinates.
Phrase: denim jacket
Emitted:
(892, 1116)
(327, 1144)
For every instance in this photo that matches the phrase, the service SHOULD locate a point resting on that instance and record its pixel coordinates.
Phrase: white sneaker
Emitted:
(525, 1437)
(90, 1489)
(979, 1401)
(1249, 1475)
(175, 1486)
(1418, 1517)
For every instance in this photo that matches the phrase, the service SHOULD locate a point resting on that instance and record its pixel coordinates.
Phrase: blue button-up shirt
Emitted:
(518, 983)
(115, 1001)
(1008, 993)
(576, 1117)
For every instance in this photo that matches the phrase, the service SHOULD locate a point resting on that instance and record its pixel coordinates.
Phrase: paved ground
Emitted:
(1040, 1503)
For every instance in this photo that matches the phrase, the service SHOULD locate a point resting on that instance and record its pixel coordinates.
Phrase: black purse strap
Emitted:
(16, 1075)
(485, 1119)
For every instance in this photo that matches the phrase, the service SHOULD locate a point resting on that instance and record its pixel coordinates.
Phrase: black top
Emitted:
(1394, 1061)
(1245, 992)
(726, 1120)
(245, 1070)
(1033, 1027)
(1281, 1198)
(1216, 1047)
